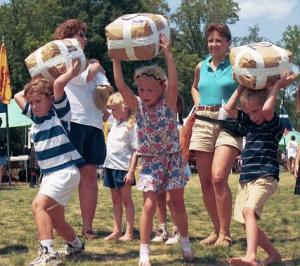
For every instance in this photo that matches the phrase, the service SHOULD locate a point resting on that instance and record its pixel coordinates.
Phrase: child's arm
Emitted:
(297, 162)
(95, 67)
(172, 88)
(230, 106)
(125, 91)
(129, 178)
(20, 99)
(269, 105)
(63, 80)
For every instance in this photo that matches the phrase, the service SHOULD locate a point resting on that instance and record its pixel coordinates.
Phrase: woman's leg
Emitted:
(222, 163)
(130, 211)
(203, 165)
(88, 195)
(118, 213)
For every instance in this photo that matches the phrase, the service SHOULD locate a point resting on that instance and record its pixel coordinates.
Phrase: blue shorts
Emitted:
(90, 143)
(3, 160)
(114, 178)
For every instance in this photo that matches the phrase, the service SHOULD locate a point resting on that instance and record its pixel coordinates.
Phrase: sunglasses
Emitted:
(81, 34)
(161, 81)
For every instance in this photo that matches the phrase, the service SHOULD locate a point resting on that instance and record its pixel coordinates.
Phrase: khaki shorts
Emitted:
(254, 195)
(207, 136)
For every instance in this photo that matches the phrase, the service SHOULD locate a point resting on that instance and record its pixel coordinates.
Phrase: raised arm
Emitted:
(269, 105)
(20, 99)
(172, 88)
(95, 67)
(230, 106)
(63, 80)
(194, 89)
(125, 91)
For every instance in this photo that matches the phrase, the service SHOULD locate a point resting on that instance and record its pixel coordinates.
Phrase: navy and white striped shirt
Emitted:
(260, 155)
(53, 148)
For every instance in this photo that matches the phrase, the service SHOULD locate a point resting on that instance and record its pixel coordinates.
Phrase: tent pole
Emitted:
(8, 148)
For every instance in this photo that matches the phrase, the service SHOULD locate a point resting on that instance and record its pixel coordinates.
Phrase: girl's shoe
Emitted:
(144, 263)
(223, 241)
(175, 239)
(160, 236)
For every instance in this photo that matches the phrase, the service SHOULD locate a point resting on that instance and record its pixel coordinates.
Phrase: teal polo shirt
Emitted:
(216, 86)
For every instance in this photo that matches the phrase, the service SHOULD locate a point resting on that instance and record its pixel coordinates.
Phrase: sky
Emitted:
(272, 16)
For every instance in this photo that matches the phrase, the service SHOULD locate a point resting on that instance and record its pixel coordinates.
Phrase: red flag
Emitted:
(5, 88)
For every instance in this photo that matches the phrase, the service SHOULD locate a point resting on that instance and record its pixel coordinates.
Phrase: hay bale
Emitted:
(50, 60)
(259, 65)
(136, 36)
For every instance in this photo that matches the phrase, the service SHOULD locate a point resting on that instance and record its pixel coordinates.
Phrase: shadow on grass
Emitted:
(13, 249)
(91, 256)
(102, 234)
(201, 261)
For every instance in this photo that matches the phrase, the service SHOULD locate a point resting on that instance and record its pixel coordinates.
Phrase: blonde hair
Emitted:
(151, 71)
(39, 86)
(257, 96)
(116, 100)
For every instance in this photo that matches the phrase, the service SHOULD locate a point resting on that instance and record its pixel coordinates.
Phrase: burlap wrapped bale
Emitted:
(136, 36)
(50, 60)
(258, 65)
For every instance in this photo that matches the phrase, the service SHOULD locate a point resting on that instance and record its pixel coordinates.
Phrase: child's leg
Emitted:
(266, 244)
(130, 212)
(181, 220)
(118, 213)
(146, 223)
(161, 213)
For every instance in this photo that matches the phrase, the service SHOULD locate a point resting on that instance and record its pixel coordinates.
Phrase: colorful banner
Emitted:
(5, 88)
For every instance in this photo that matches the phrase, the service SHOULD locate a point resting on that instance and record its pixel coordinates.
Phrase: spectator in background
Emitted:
(292, 148)
(3, 151)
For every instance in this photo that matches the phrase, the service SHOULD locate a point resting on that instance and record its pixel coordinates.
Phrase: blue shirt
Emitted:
(215, 86)
(260, 155)
(54, 151)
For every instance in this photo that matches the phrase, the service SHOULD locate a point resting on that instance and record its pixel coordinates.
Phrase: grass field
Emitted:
(18, 245)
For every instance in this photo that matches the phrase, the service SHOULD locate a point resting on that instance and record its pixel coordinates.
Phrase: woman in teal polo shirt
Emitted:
(214, 149)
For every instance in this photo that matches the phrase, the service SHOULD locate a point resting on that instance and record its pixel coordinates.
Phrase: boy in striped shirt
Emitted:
(48, 107)
(260, 167)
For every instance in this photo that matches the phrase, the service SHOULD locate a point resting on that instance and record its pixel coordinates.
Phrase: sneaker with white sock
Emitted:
(161, 236)
(69, 250)
(46, 258)
(175, 239)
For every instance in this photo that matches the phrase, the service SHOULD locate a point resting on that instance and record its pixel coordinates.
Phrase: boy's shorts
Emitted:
(207, 136)
(254, 195)
(162, 173)
(59, 185)
(90, 143)
(114, 178)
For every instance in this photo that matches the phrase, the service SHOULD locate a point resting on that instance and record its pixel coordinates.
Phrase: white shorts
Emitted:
(59, 185)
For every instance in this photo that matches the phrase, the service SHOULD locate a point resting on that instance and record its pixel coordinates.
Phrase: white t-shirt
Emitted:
(80, 94)
(292, 148)
(121, 144)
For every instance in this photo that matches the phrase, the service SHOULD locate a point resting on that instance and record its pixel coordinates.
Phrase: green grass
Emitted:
(18, 245)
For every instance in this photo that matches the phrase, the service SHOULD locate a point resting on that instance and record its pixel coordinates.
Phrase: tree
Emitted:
(252, 37)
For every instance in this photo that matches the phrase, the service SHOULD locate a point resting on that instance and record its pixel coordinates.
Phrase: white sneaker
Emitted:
(69, 250)
(175, 239)
(46, 259)
(160, 236)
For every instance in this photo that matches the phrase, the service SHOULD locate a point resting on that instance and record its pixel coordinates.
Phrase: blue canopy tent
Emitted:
(12, 117)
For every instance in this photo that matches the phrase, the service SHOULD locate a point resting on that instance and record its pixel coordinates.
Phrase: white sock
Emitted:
(185, 244)
(144, 252)
(48, 243)
(76, 242)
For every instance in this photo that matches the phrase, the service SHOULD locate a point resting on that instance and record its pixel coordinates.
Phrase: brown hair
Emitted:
(38, 86)
(69, 28)
(151, 71)
(222, 29)
(250, 95)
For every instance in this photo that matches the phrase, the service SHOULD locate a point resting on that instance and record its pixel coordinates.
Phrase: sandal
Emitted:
(210, 240)
(89, 235)
(223, 241)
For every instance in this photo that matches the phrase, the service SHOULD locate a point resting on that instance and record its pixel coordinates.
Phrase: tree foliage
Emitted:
(252, 37)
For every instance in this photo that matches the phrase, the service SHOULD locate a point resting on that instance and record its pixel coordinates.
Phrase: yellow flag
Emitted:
(5, 88)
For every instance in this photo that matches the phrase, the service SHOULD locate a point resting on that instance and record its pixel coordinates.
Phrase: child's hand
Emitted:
(96, 66)
(73, 68)
(129, 179)
(164, 43)
(285, 80)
